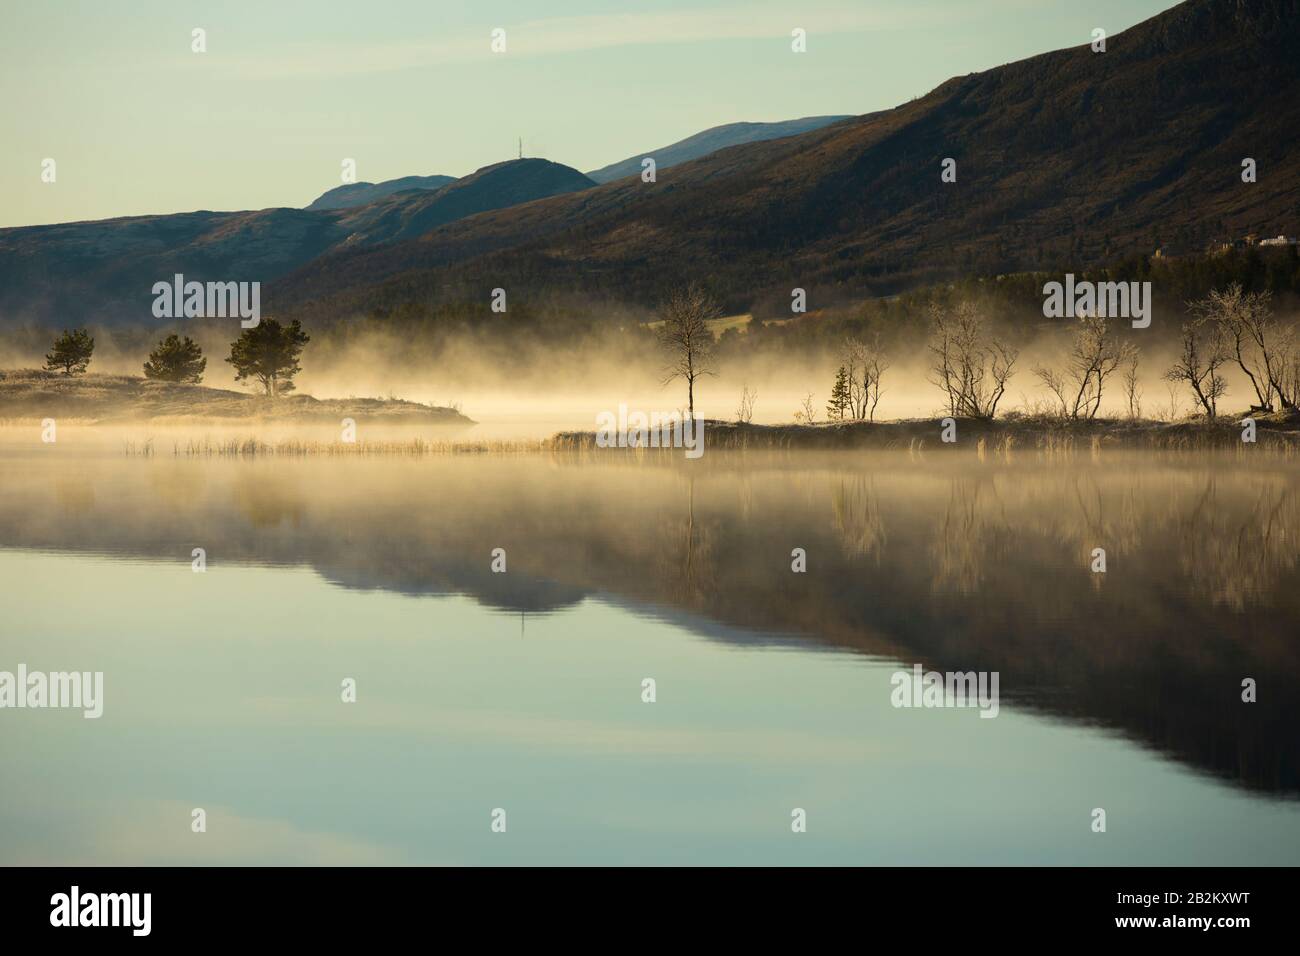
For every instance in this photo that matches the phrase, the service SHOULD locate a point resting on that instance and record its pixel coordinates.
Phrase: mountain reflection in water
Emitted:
(958, 565)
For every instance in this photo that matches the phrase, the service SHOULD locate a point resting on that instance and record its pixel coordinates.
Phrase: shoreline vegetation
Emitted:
(28, 396)
(1014, 434)
(999, 440)
(100, 399)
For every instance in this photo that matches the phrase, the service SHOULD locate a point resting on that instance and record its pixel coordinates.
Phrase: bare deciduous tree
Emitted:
(807, 413)
(686, 337)
(967, 361)
(1204, 351)
(1175, 402)
(865, 364)
(1095, 353)
(745, 411)
(1132, 387)
(1261, 347)
(1291, 375)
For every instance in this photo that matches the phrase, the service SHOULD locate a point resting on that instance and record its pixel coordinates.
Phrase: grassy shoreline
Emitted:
(1276, 432)
(992, 440)
(30, 395)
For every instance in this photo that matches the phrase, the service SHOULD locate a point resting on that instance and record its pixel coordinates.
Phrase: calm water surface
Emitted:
(523, 690)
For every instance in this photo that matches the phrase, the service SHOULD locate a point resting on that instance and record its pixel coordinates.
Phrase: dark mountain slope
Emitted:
(105, 270)
(79, 271)
(498, 186)
(1064, 159)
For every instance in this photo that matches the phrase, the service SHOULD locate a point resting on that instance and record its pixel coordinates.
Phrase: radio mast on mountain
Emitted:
(521, 147)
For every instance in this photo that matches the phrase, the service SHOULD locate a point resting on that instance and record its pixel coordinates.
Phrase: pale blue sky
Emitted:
(138, 124)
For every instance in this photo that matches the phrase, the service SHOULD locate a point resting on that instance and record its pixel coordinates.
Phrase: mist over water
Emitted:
(523, 386)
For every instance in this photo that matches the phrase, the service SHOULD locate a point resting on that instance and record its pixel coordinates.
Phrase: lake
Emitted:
(523, 691)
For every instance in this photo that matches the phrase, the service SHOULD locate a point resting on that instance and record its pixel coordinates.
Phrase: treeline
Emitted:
(1016, 301)
(267, 353)
(550, 318)
(532, 329)
(542, 310)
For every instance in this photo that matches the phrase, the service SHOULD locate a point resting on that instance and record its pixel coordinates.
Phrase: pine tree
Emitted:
(839, 403)
(173, 360)
(269, 352)
(71, 352)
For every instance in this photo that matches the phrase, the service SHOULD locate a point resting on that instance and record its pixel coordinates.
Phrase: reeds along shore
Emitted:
(998, 439)
(984, 436)
(252, 447)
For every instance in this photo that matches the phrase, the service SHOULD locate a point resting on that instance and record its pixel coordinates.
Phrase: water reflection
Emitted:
(961, 565)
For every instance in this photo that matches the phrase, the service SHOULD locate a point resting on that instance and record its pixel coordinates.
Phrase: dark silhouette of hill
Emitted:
(710, 141)
(407, 215)
(359, 194)
(105, 270)
(1065, 159)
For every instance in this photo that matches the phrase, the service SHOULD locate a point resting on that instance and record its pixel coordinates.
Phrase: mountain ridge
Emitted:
(710, 141)
(360, 194)
(1067, 158)
(50, 271)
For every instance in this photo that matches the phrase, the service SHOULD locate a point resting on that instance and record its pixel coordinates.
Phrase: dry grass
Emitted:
(29, 395)
(1048, 439)
(252, 447)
